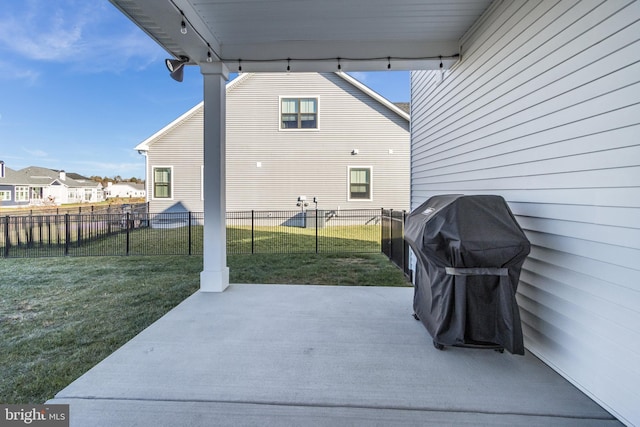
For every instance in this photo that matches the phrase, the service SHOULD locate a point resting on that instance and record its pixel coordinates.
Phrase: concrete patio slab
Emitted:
(315, 355)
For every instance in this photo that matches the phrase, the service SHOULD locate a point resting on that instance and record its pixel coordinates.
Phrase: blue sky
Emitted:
(81, 86)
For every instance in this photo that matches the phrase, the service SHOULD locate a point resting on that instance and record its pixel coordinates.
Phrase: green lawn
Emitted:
(60, 316)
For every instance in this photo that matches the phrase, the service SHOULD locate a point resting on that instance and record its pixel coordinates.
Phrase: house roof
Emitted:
(13, 177)
(36, 175)
(144, 145)
(404, 106)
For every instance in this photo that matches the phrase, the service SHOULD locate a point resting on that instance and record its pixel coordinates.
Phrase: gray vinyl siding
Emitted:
(544, 109)
(311, 163)
(181, 149)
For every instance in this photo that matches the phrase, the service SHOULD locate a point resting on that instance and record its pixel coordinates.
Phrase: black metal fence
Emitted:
(136, 232)
(393, 244)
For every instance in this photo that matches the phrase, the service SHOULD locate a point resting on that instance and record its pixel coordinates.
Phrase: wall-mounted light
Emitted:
(354, 151)
(176, 67)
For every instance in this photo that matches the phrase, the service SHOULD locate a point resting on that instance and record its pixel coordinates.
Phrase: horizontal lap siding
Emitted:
(180, 148)
(544, 109)
(312, 163)
(293, 163)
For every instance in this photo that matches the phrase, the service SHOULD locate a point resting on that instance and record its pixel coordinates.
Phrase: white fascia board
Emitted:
(381, 99)
(144, 145)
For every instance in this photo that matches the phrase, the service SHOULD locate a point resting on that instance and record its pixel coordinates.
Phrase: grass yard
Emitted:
(49, 241)
(61, 316)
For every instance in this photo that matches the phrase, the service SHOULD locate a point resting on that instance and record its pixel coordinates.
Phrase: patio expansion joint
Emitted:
(339, 406)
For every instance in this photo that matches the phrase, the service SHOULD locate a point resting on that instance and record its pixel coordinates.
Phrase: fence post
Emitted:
(49, 230)
(253, 240)
(382, 230)
(67, 234)
(316, 230)
(189, 225)
(127, 231)
(29, 233)
(6, 236)
(79, 230)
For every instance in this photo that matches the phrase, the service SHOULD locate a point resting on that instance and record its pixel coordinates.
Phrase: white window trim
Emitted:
(22, 189)
(5, 195)
(281, 97)
(153, 182)
(349, 199)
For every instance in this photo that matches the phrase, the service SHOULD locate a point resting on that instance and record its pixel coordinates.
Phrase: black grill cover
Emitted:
(470, 251)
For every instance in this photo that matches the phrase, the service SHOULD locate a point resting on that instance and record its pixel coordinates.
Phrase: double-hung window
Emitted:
(299, 113)
(162, 182)
(360, 183)
(5, 195)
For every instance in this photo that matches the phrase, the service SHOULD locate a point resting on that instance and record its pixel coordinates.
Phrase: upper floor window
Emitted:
(299, 113)
(5, 195)
(162, 183)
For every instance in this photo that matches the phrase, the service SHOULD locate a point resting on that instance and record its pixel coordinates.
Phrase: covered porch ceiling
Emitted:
(309, 35)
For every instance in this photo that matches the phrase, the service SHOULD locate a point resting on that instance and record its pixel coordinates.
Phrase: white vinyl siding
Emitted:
(544, 109)
(182, 148)
(268, 168)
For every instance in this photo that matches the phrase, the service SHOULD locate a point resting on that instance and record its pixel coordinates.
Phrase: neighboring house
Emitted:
(124, 190)
(47, 184)
(311, 135)
(544, 109)
(34, 186)
(14, 189)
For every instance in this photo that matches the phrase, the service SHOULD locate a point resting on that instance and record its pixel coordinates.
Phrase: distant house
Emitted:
(14, 189)
(35, 185)
(124, 190)
(289, 137)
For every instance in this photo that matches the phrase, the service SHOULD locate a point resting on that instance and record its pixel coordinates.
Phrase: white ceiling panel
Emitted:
(312, 34)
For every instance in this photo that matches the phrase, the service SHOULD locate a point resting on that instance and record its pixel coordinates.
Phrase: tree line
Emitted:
(104, 180)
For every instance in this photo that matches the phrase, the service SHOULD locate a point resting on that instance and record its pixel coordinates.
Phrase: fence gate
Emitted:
(393, 243)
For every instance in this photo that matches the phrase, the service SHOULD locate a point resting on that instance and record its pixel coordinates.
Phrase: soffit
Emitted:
(260, 35)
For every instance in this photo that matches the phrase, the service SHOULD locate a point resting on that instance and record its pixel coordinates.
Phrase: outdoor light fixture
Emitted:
(176, 67)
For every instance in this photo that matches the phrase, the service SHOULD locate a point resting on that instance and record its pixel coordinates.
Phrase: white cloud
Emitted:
(87, 36)
(11, 72)
(36, 153)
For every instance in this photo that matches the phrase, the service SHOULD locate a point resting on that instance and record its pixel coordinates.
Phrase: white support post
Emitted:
(215, 274)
